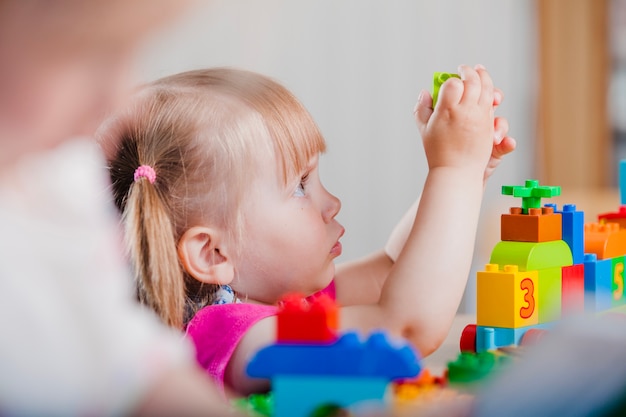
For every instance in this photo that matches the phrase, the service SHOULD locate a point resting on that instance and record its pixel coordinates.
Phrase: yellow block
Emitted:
(507, 298)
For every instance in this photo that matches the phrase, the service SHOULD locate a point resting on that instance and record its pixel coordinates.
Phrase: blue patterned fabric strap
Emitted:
(225, 295)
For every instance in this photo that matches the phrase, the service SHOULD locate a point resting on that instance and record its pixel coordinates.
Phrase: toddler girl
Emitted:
(216, 174)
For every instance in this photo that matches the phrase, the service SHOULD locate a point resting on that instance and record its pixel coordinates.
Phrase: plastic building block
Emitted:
(438, 79)
(572, 289)
(348, 356)
(306, 377)
(256, 405)
(468, 339)
(617, 281)
(474, 367)
(618, 217)
(549, 298)
(507, 297)
(597, 283)
(605, 240)
(573, 226)
(491, 338)
(530, 255)
(532, 336)
(531, 193)
(539, 225)
(295, 396)
(302, 321)
(420, 389)
(622, 181)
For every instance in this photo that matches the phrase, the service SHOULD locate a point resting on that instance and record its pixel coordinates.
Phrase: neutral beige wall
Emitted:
(358, 66)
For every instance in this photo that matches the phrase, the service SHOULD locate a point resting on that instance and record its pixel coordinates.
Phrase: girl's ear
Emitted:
(204, 257)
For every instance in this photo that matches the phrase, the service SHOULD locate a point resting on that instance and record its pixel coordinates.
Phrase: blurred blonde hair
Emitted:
(203, 132)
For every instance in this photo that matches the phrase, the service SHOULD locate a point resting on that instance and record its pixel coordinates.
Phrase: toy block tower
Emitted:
(312, 367)
(605, 250)
(302, 321)
(521, 287)
(532, 239)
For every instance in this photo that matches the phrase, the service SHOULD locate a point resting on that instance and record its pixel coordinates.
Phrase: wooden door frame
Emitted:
(574, 135)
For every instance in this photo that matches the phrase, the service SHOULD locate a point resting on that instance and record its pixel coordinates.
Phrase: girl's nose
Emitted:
(331, 207)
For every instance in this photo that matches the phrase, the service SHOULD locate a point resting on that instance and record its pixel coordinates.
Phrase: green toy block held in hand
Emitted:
(438, 79)
(531, 193)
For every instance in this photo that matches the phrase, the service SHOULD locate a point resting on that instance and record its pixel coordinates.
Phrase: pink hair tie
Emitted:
(145, 171)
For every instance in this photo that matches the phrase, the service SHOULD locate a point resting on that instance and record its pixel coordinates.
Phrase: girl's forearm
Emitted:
(426, 283)
(400, 233)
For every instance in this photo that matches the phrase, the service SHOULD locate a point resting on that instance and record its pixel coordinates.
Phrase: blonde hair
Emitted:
(202, 132)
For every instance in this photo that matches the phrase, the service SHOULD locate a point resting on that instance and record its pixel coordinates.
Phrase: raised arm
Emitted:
(361, 281)
(424, 287)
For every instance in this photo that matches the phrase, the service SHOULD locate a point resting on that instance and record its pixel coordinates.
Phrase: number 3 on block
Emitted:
(528, 286)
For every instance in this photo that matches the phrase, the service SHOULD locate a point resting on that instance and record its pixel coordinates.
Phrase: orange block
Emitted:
(539, 225)
(606, 240)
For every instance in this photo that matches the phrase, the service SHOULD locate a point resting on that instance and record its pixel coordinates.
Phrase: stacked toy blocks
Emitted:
(312, 367)
(605, 250)
(531, 279)
(605, 247)
(549, 263)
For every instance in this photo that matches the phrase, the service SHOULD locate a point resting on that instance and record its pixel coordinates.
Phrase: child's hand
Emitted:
(462, 131)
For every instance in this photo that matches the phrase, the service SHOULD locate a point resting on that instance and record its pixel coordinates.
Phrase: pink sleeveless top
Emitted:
(217, 329)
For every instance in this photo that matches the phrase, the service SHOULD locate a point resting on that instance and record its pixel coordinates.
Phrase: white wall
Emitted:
(358, 66)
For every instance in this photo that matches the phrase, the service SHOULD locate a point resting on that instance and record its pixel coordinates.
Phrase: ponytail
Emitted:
(151, 242)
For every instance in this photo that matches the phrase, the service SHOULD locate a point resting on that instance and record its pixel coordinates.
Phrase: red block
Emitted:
(307, 321)
(572, 289)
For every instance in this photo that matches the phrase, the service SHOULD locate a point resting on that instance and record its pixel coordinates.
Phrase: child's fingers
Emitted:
(450, 93)
(506, 146)
(498, 96)
(423, 108)
(472, 84)
(487, 89)
(500, 129)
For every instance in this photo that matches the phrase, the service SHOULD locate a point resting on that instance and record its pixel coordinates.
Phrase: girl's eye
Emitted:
(299, 191)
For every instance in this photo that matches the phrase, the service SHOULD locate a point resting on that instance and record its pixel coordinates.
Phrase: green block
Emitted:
(473, 367)
(529, 256)
(255, 405)
(549, 294)
(617, 281)
(438, 79)
(531, 193)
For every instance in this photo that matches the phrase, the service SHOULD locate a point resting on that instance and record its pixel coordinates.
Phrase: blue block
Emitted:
(298, 396)
(491, 338)
(597, 283)
(622, 181)
(377, 356)
(572, 221)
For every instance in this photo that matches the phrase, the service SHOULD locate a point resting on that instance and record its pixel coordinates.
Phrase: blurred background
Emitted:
(358, 66)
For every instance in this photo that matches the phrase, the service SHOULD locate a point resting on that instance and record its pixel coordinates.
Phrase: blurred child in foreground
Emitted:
(74, 341)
